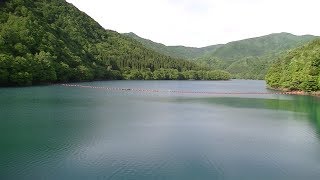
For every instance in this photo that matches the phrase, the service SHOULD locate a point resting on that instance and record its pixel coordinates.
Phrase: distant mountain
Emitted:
(174, 51)
(260, 46)
(251, 58)
(245, 59)
(254, 47)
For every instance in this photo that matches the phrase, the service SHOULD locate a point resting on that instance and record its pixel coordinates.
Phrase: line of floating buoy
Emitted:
(176, 91)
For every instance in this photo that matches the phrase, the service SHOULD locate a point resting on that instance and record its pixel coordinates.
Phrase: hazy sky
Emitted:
(204, 22)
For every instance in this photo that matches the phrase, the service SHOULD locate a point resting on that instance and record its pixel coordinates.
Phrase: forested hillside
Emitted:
(244, 59)
(299, 69)
(244, 68)
(174, 51)
(260, 46)
(251, 58)
(45, 41)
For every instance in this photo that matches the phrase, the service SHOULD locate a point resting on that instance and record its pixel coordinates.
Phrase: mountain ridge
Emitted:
(244, 59)
(178, 51)
(202, 51)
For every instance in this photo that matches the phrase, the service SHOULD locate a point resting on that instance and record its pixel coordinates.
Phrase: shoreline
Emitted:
(299, 93)
(59, 83)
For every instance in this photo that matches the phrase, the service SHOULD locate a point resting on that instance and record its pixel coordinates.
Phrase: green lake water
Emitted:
(57, 132)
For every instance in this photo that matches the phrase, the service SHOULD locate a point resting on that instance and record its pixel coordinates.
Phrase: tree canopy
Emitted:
(44, 41)
(299, 69)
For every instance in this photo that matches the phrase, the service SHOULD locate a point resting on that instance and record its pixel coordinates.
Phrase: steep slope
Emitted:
(299, 69)
(173, 51)
(44, 41)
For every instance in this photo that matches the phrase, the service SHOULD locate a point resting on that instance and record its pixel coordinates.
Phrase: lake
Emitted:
(58, 132)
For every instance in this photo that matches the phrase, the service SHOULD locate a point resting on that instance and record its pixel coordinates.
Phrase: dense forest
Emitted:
(44, 41)
(298, 70)
(243, 68)
(244, 59)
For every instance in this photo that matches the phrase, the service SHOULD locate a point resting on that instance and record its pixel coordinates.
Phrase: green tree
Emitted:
(297, 70)
(43, 70)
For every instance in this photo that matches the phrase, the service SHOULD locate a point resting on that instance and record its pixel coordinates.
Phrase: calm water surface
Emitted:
(56, 132)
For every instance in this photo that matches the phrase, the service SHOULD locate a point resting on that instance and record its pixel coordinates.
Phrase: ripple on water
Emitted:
(73, 133)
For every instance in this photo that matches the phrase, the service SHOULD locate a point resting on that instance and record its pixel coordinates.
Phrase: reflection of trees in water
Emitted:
(300, 104)
(313, 110)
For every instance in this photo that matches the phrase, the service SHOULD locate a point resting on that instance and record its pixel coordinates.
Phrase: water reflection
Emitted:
(309, 106)
(71, 133)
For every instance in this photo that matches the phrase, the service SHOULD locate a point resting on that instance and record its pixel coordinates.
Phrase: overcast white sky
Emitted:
(204, 22)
